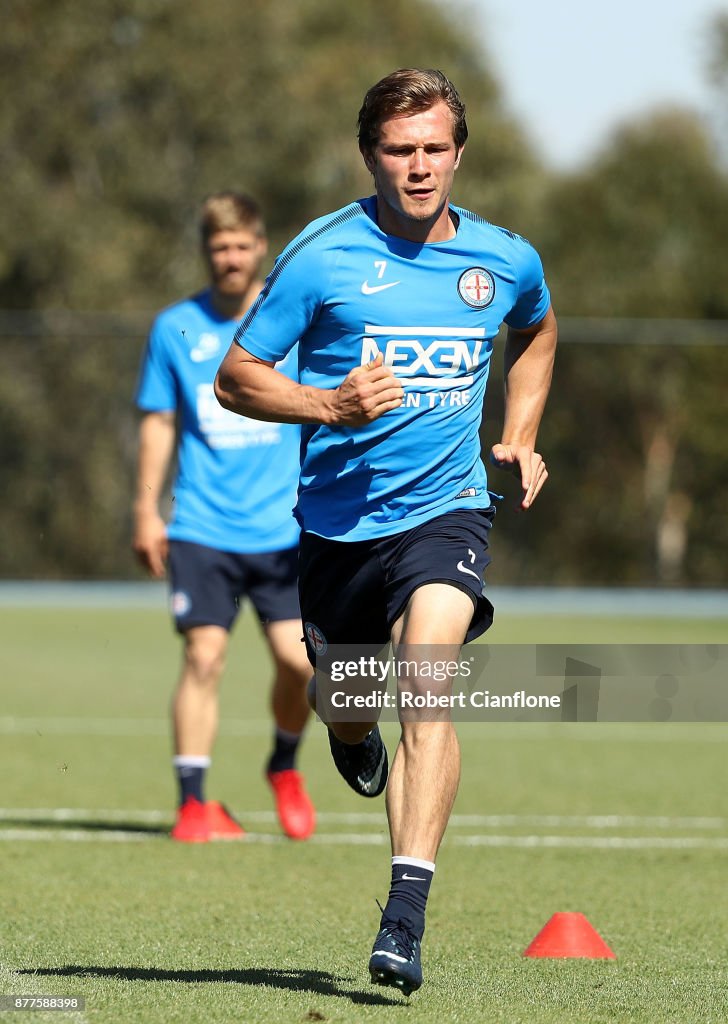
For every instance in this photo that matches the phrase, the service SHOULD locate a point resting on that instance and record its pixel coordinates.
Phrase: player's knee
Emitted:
(294, 668)
(430, 731)
(204, 663)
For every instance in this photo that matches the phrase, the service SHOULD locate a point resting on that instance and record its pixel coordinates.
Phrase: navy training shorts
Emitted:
(208, 585)
(352, 592)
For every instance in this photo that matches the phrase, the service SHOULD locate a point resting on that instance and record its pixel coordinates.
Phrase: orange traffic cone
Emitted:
(569, 935)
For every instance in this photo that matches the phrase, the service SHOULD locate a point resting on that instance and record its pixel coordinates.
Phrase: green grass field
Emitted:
(626, 823)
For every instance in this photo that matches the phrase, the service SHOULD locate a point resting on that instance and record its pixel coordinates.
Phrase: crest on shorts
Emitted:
(317, 640)
(476, 287)
(180, 603)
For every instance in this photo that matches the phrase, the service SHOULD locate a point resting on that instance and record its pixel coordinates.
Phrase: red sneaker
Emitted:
(221, 823)
(191, 825)
(295, 811)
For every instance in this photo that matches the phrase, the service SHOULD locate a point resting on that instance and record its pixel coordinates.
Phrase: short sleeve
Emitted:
(534, 298)
(157, 387)
(287, 306)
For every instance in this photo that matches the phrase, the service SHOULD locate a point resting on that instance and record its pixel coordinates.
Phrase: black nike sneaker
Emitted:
(395, 959)
(364, 765)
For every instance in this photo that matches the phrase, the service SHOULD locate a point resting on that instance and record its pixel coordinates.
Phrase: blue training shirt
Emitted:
(236, 478)
(348, 291)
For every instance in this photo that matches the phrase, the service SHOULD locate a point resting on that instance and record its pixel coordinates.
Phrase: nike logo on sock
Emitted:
(412, 878)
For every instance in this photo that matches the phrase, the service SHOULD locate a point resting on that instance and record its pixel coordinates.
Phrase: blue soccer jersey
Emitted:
(349, 291)
(236, 478)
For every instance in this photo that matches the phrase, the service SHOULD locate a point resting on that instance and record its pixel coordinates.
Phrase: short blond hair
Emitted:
(230, 211)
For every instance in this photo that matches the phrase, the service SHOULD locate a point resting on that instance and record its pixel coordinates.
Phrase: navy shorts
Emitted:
(208, 585)
(353, 592)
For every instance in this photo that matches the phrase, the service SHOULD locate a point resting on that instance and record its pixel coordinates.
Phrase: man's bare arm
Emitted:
(253, 387)
(529, 360)
(157, 435)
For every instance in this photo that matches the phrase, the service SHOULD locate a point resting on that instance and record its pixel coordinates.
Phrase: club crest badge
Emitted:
(476, 287)
(316, 639)
(180, 603)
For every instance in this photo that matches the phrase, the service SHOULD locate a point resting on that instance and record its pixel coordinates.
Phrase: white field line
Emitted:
(378, 839)
(587, 821)
(623, 732)
(71, 835)
(20, 726)
(34, 816)
(598, 842)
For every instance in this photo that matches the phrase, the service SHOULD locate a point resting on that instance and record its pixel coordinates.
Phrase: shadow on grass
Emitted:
(58, 824)
(321, 982)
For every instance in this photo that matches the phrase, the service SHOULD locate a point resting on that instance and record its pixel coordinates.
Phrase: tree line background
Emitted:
(119, 117)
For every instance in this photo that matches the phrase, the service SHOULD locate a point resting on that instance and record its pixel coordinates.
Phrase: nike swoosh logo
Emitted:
(464, 568)
(390, 956)
(371, 289)
(413, 878)
(373, 783)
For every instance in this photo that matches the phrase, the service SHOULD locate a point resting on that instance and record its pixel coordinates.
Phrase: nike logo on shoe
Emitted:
(372, 784)
(371, 289)
(390, 956)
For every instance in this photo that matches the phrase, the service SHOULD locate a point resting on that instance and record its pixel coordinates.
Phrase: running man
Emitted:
(396, 300)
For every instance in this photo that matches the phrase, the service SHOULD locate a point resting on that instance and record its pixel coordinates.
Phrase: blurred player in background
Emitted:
(232, 533)
(395, 302)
